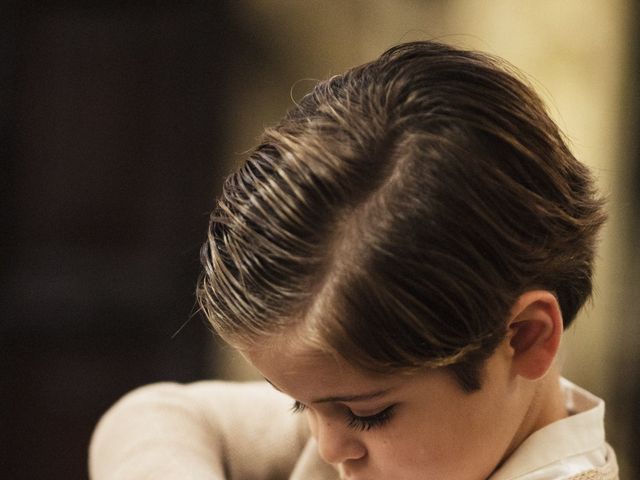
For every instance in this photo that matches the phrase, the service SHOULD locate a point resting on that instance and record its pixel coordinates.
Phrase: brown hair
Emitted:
(396, 213)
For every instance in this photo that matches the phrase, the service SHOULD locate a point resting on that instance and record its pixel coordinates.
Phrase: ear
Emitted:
(534, 332)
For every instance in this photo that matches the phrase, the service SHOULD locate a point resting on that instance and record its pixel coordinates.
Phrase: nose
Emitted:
(336, 442)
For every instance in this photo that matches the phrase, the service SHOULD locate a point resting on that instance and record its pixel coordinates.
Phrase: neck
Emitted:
(547, 406)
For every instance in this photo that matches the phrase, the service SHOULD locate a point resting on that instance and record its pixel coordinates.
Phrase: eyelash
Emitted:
(356, 422)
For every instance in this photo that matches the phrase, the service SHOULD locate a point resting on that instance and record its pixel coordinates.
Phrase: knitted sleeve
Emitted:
(202, 431)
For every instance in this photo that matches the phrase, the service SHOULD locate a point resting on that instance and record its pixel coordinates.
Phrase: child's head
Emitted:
(416, 212)
(395, 215)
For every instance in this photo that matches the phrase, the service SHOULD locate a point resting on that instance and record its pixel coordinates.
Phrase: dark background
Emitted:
(113, 133)
(112, 120)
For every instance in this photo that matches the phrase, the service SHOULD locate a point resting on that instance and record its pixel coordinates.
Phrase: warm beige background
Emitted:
(575, 53)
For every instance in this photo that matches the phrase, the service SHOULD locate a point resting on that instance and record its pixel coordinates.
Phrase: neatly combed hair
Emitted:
(397, 212)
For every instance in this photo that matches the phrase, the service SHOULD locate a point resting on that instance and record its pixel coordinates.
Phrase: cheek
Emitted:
(409, 447)
(452, 444)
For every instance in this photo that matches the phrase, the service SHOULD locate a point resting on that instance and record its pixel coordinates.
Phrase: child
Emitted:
(399, 256)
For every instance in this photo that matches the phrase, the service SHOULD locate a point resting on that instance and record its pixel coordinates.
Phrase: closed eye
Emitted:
(370, 421)
(356, 422)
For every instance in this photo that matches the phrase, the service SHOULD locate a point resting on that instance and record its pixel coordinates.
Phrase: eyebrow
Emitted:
(361, 397)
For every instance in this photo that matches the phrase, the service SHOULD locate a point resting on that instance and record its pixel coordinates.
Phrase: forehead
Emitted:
(305, 373)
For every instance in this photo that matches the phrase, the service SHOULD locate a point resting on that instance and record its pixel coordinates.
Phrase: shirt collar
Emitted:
(581, 432)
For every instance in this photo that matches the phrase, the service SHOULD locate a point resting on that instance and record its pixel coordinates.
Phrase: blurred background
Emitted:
(118, 121)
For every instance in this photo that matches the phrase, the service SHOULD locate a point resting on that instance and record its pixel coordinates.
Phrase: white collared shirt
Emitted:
(573, 447)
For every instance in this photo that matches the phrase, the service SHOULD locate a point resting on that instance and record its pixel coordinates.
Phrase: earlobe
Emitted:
(535, 330)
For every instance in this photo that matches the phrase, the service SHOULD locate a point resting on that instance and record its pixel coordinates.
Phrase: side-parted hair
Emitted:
(396, 213)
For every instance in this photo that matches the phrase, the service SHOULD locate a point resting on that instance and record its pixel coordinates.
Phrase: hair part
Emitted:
(396, 213)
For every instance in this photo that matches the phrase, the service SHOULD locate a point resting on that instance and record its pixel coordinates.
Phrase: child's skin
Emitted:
(424, 425)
